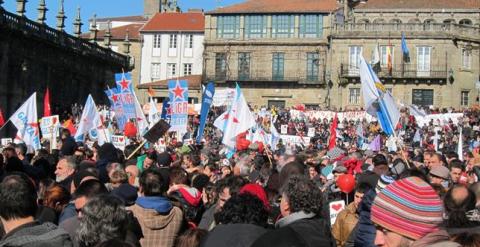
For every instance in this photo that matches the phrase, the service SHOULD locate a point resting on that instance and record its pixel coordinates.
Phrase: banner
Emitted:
(178, 93)
(319, 115)
(311, 132)
(166, 110)
(122, 99)
(49, 127)
(119, 141)
(439, 119)
(284, 129)
(207, 100)
(6, 141)
(223, 97)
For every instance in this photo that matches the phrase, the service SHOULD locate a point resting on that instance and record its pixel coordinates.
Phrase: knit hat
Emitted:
(382, 182)
(258, 191)
(409, 207)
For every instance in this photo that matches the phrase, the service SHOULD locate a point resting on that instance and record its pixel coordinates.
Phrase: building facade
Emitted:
(307, 52)
(172, 46)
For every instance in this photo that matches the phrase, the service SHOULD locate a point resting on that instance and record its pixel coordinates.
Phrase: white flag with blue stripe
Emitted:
(378, 101)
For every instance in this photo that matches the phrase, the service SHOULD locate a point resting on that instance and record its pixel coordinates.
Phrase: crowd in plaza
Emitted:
(422, 190)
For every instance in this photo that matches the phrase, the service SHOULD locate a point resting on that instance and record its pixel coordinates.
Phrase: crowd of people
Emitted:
(426, 192)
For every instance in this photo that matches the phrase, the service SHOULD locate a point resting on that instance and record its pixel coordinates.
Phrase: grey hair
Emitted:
(70, 161)
(103, 218)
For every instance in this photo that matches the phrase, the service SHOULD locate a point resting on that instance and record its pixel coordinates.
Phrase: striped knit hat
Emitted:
(409, 207)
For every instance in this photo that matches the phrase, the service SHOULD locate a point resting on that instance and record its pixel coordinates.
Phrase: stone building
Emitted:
(292, 52)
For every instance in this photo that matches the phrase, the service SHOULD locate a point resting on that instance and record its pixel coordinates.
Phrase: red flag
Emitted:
(2, 119)
(333, 133)
(47, 112)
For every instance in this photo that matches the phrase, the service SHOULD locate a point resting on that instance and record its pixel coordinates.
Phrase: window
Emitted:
(228, 27)
(429, 24)
(172, 70)
(354, 59)
(312, 66)
(396, 24)
(466, 58)
(282, 26)
(255, 26)
(220, 66)
(187, 69)
(384, 55)
(189, 41)
(173, 41)
(278, 66)
(423, 60)
(422, 97)
(279, 104)
(464, 98)
(354, 96)
(243, 65)
(465, 22)
(155, 70)
(156, 41)
(311, 26)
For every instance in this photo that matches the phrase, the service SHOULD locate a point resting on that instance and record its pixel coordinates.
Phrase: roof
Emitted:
(194, 22)
(134, 18)
(420, 4)
(119, 33)
(278, 6)
(194, 81)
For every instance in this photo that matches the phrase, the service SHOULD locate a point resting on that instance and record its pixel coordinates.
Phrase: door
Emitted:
(354, 60)
(423, 60)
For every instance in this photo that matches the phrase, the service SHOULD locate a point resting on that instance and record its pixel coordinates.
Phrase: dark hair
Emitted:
(90, 188)
(22, 148)
(243, 209)
(191, 238)
(363, 188)
(194, 158)
(199, 181)
(290, 169)
(457, 164)
(233, 183)
(152, 183)
(178, 176)
(452, 155)
(379, 159)
(456, 207)
(66, 132)
(114, 242)
(18, 198)
(103, 218)
(302, 195)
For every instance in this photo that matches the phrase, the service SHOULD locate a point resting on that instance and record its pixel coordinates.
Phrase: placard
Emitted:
(119, 141)
(335, 208)
(157, 131)
(311, 132)
(49, 127)
(284, 129)
(6, 141)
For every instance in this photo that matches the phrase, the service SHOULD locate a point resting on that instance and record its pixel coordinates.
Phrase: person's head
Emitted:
(313, 171)
(300, 194)
(228, 187)
(21, 149)
(435, 160)
(86, 190)
(191, 160)
(439, 175)
(339, 171)
(65, 133)
(152, 183)
(191, 238)
(18, 199)
(118, 177)
(133, 173)
(150, 159)
(65, 167)
(458, 200)
(103, 218)
(380, 164)
(56, 197)
(243, 208)
(360, 190)
(178, 176)
(456, 170)
(405, 211)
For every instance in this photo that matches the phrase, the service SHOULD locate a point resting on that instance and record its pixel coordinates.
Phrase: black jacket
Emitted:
(309, 232)
(233, 235)
(36, 235)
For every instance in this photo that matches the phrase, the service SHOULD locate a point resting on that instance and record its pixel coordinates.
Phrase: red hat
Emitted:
(258, 191)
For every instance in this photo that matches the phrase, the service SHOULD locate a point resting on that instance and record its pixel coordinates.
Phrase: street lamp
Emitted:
(450, 76)
(328, 79)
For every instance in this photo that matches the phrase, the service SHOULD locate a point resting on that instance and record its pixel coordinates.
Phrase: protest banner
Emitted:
(122, 99)
(119, 141)
(178, 94)
(6, 141)
(311, 132)
(284, 129)
(223, 97)
(49, 127)
(335, 208)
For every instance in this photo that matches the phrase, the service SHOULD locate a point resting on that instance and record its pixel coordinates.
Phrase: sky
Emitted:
(104, 8)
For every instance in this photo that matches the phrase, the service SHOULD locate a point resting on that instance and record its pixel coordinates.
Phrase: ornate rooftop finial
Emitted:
(126, 43)
(108, 36)
(61, 17)
(21, 7)
(77, 25)
(42, 12)
(94, 29)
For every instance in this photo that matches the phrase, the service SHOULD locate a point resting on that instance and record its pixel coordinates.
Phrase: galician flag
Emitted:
(90, 119)
(378, 101)
(235, 120)
(25, 120)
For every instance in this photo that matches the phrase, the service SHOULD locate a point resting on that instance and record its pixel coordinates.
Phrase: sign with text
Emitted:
(6, 141)
(178, 94)
(49, 127)
(119, 141)
(311, 132)
(335, 208)
(284, 129)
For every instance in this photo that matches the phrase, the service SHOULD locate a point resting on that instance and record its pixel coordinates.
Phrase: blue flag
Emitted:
(405, 51)
(165, 106)
(207, 100)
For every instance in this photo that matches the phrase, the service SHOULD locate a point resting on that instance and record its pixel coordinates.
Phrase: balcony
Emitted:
(299, 79)
(392, 30)
(400, 73)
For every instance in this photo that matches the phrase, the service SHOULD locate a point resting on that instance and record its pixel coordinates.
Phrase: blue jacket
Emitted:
(365, 235)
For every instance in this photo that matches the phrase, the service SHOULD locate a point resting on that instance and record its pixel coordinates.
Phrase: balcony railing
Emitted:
(426, 28)
(301, 79)
(400, 71)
